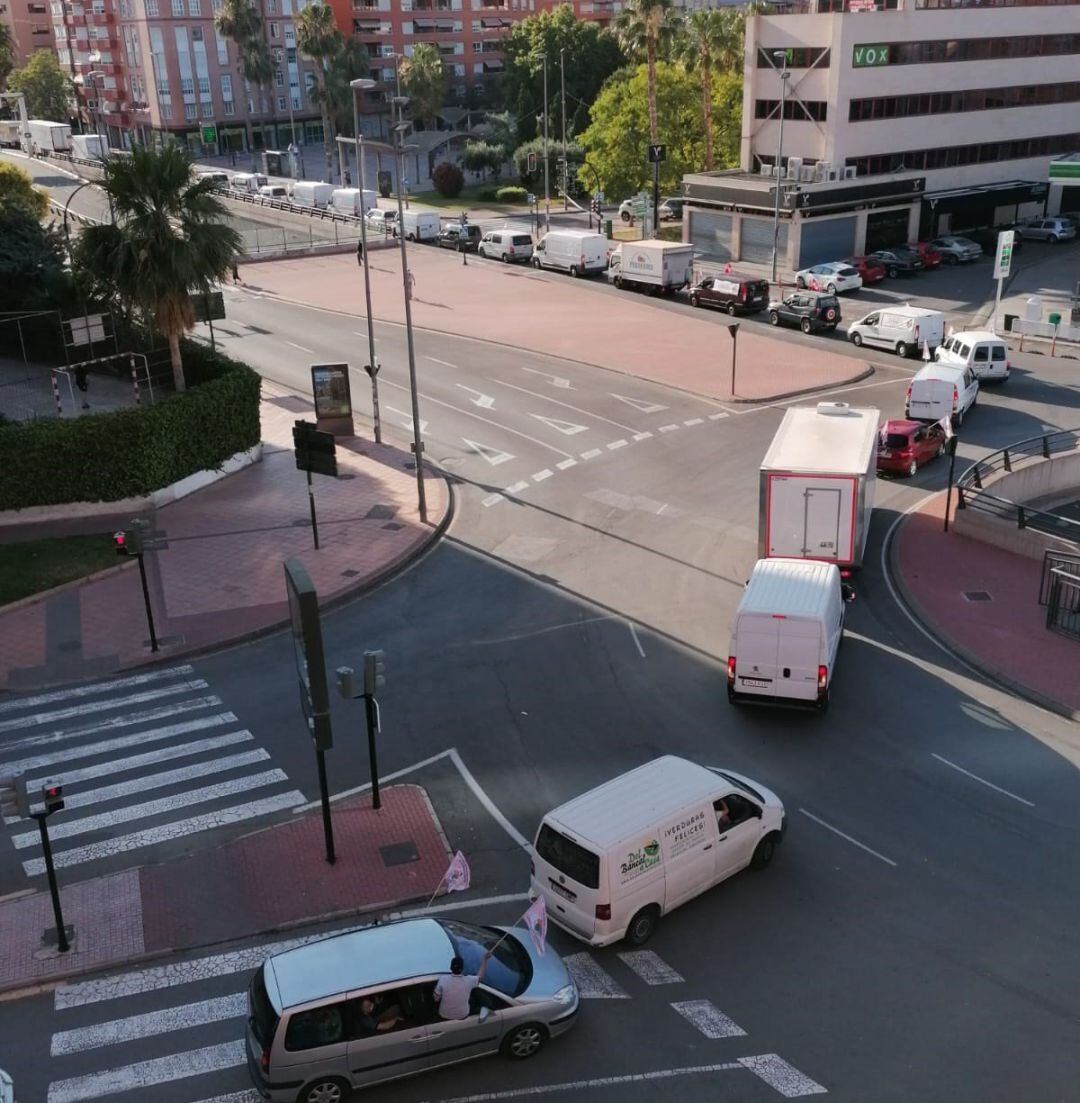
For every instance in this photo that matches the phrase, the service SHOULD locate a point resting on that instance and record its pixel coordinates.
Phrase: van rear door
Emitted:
(798, 658)
(568, 874)
(757, 645)
(931, 399)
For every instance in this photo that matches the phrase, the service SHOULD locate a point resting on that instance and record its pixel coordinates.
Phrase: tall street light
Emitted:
(779, 58)
(547, 188)
(406, 282)
(562, 82)
(363, 84)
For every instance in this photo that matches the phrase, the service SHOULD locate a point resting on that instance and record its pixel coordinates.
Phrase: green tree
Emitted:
(47, 88)
(423, 78)
(590, 56)
(318, 38)
(645, 28)
(7, 54)
(16, 186)
(616, 139)
(31, 257)
(535, 180)
(711, 41)
(170, 239)
(241, 23)
(349, 62)
(483, 157)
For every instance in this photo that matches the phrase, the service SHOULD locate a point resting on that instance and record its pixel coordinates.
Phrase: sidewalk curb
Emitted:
(958, 651)
(868, 371)
(54, 591)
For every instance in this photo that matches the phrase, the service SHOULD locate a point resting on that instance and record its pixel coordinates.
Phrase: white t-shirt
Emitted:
(452, 993)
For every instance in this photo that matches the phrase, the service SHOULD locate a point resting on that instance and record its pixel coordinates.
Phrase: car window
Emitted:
(401, 1008)
(264, 1019)
(509, 970)
(982, 354)
(896, 440)
(963, 350)
(739, 808)
(997, 352)
(317, 1027)
(521, 239)
(871, 319)
(847, 272)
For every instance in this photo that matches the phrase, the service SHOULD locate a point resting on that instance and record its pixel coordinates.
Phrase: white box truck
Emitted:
(659, 267)
(786, 633)
(816, 491)
(420, 225)
(10, 133)
(311, 193)
(47, 137)
(353, 201)
(90, 146)
(612, 861)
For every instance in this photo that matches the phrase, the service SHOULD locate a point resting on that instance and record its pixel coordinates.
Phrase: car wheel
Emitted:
(913, 467)
(618, 282)
(643, 926)
(695, 301)
(901, 349)
(822, 703)
(856, 340)
(410, 237)
(957, 420)
(536, 262)
(774, 318)
(731, 309)
(506, 258)
(574, 271)
(800, 283)
(1054, 239)
(626, 216)
(328, 1090)
(763, 852)
(524, 1041)
(891, 273)
(951, 260)
(731, 696)
(831, 289)
(804, 325)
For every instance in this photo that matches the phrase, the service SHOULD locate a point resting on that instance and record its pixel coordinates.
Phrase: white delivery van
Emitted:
(786, 633)
(578, 252)
(903, 329)
(89, 146)
(941, 391)
(985, 353)
(274, 191)
(249, 182)
(349, 200)
(420, 225)
(311, 193)
(610, 862)
(221, 179)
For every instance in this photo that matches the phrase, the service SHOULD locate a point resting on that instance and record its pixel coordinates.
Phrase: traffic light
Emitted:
(52, 793)
(374, 672)
(594, 206)
(128, 542)
(532, 162)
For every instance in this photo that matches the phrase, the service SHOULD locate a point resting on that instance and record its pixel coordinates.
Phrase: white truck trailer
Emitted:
(816, 489)
(90, 146)
(659, 267)
(47, 137)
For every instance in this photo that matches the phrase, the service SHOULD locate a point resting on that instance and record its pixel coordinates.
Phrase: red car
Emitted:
(904, 446)
(930, 257)
(870, 268)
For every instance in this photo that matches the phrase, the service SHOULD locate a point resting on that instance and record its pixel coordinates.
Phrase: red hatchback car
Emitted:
(930, 257)
(904, 446)
(870, 268)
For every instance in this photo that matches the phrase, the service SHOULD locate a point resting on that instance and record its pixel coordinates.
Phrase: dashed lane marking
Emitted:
(592, 453)
(562, 465)
(650, 966)
(592, 981)
(854, 842)
(642, 436)
(492, 499)
(718, 416)
(540, 476)
(982, 780)
(712, 1022)
(517, 488)
(668, 428)
(616, 444)
(694, 421)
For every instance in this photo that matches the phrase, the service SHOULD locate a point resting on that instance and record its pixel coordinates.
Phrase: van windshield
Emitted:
(509, 969)
(264, 1019)
(742, 785)
(568, 857)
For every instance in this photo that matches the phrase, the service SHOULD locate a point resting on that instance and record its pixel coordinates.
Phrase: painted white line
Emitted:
(538, 632)
(708, 1019)
(616, 444)
(837, 831)
(150, 1025)
(982, 780)
(638, 404)
(104, 820)
(145, 1074)
(445, 363)
(38, 718)
(484, 401)
(92, 690)
(668, 428)
(516, 488)
(488, 452)
(717, 417)
(567, 428)
(593, 983)
(555, 380)
(562, 465)
(540, 476)
(151, 836)
(250, 1095)
(310, 352)
(408, 425)
(492, 499)
(642, 436)
(650, 967)
(694, 421)
(492, 809)
(597, 1082)
(592, 453)
(565, 405)
(778, 1074)
(637, 642)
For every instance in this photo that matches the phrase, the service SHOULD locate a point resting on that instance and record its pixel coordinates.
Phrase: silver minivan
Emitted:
(359, 1008)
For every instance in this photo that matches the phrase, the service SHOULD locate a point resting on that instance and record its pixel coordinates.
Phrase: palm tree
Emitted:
(241, 23)
(318, 38)
(169, 239)
(644, 27)
(349, 62)
(424, 79)
(711, 40)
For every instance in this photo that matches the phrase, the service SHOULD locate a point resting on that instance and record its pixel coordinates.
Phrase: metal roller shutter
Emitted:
(710, 234)
(757, 240)
(832, 239)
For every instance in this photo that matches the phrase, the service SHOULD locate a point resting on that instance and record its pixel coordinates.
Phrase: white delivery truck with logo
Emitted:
(420, 225)
(612, 861)
(659, 267)
(49, 137)
(816, 490)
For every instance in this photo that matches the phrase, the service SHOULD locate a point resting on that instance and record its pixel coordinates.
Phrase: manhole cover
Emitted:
(977, 595)
(398, 854)
(350, 573)
(381, 513)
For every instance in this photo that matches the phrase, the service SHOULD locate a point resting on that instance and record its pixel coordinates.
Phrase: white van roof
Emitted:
(800, 588)
(635, 801)
(947, 373)
(906, 310)
(579, 234)
(831, 436)
(352, 193)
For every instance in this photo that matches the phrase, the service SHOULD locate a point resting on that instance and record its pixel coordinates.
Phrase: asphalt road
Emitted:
(915, 937)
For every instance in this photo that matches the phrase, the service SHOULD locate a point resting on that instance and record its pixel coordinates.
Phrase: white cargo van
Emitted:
(941, 391)
(421, 225)
(249, 182)
(311, 193)
(983, 352)
(610, 862)
(348, 200)
(903, 329)
(786, 633)
(578, 252)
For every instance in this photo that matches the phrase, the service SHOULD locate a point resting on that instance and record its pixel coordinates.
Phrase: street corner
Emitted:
(769, 370)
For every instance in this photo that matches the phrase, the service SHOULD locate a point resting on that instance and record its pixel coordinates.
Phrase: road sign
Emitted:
(308, 649)
(657, 153)
(209, 134)
(314, 449)
(209, 307)
(1003, 257)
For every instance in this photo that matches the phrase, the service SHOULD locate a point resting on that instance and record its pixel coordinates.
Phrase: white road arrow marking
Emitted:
(493, 455)
(484, 401)
(554, 380)
(568, 428)
(408, 419)
(638, 404)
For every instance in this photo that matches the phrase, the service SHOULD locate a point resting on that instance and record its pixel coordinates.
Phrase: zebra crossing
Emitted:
(157, 748)
(178, 1027)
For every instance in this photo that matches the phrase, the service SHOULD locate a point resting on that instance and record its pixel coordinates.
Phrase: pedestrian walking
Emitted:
(360, 251)
(236, 272)
(81, 383)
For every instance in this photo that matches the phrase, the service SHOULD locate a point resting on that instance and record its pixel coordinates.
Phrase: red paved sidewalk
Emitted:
(271, 880)
(219, 576)
(1006, 637)
(556, 315)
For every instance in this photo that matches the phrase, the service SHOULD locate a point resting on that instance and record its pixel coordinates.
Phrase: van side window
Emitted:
(740, 809)
(388, 1012)
(321, 1026)
(963, 350)
(873, 320)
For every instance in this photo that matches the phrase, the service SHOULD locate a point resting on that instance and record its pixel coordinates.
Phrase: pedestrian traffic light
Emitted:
(374, 672)
(532, 162)
(52, 793)
(128, 542)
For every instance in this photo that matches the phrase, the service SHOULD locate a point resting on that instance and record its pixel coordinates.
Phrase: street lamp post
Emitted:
(547, 187)
(779, 56)
(562, 82)
(363, 84)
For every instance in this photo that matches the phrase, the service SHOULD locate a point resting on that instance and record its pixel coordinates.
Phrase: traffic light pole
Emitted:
(311, 502)
(146, 601)
(371, 708)
(62, 943)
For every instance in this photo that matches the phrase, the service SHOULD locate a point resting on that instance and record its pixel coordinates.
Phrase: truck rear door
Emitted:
(821, 524)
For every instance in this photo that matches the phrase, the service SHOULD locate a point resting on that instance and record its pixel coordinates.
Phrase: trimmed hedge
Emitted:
(129, 453)
(487, 195)
(511, 194)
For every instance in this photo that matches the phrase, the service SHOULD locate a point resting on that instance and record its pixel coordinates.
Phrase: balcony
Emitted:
(433, 26)
(100, 19)
(431, 5)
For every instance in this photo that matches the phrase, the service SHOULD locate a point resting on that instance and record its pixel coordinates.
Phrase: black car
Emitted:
(450, 237)
(899, 260)
(809, 310)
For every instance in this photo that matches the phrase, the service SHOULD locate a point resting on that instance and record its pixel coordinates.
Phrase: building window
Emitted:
(794, 110)
(973, 99)
(191, 112)
(798, 57)
(228, 107)
(178, 7)
(152, 9)
(963, 49)
(271, 6)
(281, 106)
(196, 34)
(194, 7)
(943, 157)
(279, 78)
(275, 30)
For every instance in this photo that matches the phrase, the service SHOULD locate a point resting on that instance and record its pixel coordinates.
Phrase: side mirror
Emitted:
(847, 592)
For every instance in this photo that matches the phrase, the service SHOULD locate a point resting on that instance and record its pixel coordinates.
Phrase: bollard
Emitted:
(135, 382)
(56, 394)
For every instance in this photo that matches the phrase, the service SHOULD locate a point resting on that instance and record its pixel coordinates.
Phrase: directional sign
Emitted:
(314, 449)
(494, 456)
(484, 401)
(657, 153)
(568, 428)
(1003, 257)
(644, 407)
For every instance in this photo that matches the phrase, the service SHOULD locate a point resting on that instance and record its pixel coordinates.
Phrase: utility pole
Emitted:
(781, 57)
(362, 84)
(562, 81)
(547, 186)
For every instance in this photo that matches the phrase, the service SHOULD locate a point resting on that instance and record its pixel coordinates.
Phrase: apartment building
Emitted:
(901, 119)
(29, 25)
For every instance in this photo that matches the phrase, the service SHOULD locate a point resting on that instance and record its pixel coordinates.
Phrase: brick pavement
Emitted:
(219, 576)
(1005, 637)
(545, 313)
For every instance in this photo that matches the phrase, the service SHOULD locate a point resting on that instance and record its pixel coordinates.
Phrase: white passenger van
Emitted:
(786, 633)
(901, 329)
(578, 252)
(983, 352)
(939, 391)
(612, 861)
(249, 182)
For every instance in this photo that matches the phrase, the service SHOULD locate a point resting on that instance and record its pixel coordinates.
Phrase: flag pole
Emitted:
(436, 892)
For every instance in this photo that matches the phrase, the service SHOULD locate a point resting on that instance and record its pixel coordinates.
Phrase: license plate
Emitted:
(760, 683)
(562, 890)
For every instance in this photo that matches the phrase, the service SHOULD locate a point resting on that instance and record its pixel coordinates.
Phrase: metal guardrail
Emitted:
(1063, 606)
(972, 494)
(1053, 561)
(321, 213)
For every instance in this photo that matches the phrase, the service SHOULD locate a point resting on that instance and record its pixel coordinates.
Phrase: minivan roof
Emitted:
(635, 801)
(357, 959)
(906, 310)
(795, 587)
(977, 335)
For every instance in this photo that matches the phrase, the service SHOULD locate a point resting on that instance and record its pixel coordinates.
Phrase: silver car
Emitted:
(957, 250)
(1047, 229)
(359, 1008)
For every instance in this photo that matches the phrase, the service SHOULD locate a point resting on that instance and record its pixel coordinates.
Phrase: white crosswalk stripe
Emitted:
(593, 982)
(91, 690)
(650, 967)
(712, 1022)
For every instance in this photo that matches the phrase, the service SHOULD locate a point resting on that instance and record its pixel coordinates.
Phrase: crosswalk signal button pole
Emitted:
(52, 793)
(374, 678)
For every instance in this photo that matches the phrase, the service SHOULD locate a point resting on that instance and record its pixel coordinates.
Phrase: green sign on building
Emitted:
(1067, 169)
(864, 56)
(209, 135)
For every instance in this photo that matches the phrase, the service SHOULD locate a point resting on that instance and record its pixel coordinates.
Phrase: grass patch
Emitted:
(468, 198)
(35, 565)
